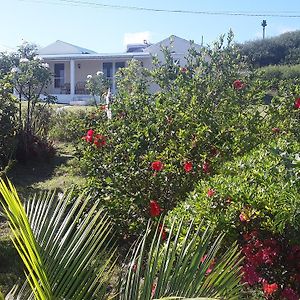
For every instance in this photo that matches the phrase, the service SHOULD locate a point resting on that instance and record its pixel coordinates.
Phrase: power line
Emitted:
(282, 14)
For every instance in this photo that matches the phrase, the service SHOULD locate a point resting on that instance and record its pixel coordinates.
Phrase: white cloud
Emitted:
(136, 37)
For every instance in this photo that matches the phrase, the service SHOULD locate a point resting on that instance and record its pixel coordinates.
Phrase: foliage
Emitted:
(7, 125)
(257, 194)
(69, 125)
(67, 253)
(200, 116)
(97, 85)
(283, 49)
(60, 244)
(284, 72)
(186, 268)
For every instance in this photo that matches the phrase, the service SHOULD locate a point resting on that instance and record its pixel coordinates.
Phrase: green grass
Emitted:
(59, 173)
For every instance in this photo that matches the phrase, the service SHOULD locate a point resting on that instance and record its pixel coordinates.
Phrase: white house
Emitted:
(71, 64)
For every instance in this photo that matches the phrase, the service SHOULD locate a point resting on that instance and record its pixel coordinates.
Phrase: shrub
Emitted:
(280, 72)
(159, 145)
(256, 200)
(7, 125)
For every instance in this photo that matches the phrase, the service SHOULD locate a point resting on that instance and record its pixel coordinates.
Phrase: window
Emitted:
(59, 75)
(120, 65)
(107, 70)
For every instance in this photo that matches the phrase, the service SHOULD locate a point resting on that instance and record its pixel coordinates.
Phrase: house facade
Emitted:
(71, 65)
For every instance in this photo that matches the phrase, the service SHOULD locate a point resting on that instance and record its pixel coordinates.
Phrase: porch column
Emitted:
(113, 76)
(72, 76)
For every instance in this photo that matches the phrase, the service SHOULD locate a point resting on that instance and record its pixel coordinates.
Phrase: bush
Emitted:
(282, 49)
(290, 72)
(256, 200)
(68, 125)
(7, 125)
(159, 145)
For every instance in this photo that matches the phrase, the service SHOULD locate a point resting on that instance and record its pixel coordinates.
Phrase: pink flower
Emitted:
(289, 294)
(188, 166)
(210, 192)
(297, 103)
(157, 166)
(153, 289)
(238, 84)
(269, 289)
(211, 266)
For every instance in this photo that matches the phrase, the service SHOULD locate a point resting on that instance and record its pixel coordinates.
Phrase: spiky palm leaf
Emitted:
(176, 268)
(60, 244)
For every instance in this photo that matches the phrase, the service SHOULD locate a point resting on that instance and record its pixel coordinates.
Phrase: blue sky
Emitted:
(107, 30)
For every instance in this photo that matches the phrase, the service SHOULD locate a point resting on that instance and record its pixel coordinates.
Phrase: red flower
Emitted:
(157, 166)
(297, 103)
(188, 166)
(250, 276)
(154, 209)
(103, 107)
(289, 294)
(90, 132)
(99, 140)
(89, 136)
(163, 232)
(206, 167)
(238, 85)
(269, 288)
(210, 192)
(276, 130)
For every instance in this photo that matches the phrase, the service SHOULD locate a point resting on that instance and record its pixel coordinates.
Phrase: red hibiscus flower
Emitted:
(99, 140)
(89, 136)
(238, 85)
(297, 103)
(157, 166)
(154, 209)
(206, 167)
(210, 192)
(289, 294)
(269, 289)
(188, 166)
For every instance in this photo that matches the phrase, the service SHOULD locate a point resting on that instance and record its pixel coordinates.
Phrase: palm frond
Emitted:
(179, 268)
(73, 245)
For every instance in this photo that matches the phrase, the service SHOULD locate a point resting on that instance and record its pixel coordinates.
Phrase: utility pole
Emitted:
(264, 25)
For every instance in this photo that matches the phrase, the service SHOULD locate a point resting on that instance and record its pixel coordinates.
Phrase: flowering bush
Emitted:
(159, 145)
(256, 199)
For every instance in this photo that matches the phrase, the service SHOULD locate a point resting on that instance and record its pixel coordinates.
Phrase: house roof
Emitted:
(95, 56)
(173, 41)
(60, 47)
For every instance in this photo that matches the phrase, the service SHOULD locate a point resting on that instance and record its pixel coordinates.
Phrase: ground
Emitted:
(30, 178)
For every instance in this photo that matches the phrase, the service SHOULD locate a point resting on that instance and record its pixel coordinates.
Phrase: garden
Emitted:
(188, 192)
